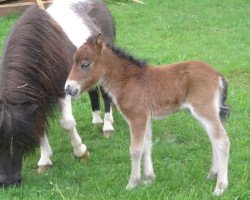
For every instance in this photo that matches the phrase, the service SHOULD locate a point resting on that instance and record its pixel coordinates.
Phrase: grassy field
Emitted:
(162, 32)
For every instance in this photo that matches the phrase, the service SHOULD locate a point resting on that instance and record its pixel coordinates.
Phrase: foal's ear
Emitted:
(100, 41)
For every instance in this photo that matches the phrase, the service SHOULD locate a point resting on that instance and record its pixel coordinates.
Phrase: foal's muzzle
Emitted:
(72, 88)
(71, 91)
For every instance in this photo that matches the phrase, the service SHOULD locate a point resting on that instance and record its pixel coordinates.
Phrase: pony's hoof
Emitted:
(43, 168)
(148, 180)
(98, 124)
(130, 187)
(132, 184)
(220, 188)
(107, 134)
(108, 129)
(85, 156)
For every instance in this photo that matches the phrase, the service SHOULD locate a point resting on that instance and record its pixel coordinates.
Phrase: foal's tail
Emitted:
(224, 109)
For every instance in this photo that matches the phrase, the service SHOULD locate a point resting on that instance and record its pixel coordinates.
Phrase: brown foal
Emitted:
(143, 93)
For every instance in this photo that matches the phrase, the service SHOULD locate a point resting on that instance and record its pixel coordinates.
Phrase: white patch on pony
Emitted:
(74, 27)
(108, 121)
(108, 127)
(96, 118)
(221, 82)
(46, 152)
(68, 123)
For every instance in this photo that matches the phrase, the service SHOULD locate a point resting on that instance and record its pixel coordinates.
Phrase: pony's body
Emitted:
(36, 60)
(166, 91)
(143, 92)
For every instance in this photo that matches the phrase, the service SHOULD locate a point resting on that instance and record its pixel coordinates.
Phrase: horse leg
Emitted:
(68, 123)
(213, 172)
(46, 152)
(108, 117)
(148, 171)
(94, 99)
(137, 132)
(210, 119)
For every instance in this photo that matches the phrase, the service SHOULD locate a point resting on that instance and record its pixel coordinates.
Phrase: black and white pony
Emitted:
(36, 60)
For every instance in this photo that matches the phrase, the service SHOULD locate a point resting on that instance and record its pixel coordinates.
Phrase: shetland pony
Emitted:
(143, 93)
(36, 60)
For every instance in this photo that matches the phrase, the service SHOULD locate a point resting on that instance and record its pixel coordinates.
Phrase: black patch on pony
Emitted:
(224, 108)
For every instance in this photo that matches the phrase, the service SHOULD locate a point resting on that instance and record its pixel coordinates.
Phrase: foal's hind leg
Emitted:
(68, 123)
(46, 152)
(94, 100)
(209, 118)
(108, 117)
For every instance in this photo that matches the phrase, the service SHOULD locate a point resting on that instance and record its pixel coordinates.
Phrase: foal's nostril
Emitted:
(68, 89)
(71, 91)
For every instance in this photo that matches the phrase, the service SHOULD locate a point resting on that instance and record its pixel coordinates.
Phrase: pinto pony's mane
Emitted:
(32, 77)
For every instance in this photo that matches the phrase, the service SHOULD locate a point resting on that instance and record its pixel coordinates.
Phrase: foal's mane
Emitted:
(127, 56)
(121, 53)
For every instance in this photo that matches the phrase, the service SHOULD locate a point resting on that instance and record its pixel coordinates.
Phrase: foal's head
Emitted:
(85, 71)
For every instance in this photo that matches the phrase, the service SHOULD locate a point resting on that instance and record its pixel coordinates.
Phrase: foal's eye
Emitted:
(85, 65)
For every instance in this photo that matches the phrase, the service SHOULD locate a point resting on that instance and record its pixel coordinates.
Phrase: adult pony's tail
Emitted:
(224, 109)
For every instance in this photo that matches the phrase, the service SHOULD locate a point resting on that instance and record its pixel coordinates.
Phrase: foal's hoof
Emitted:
(220, 188)
(132, 184)
(107, 134)
(43, 168)
(148, 180)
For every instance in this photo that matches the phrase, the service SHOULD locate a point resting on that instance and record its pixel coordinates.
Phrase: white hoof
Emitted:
(132, 184)
(220, 188)
(149, 179)
(108, 127)
(96, 118)
(80, 151)
(44, 168)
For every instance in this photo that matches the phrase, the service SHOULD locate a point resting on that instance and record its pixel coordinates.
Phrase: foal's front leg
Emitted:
(68, 123)
(137, 132)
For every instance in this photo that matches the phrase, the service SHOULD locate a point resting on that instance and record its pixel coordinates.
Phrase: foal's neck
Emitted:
(119, 69)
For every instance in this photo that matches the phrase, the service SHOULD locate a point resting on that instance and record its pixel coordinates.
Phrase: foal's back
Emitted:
(170, 87)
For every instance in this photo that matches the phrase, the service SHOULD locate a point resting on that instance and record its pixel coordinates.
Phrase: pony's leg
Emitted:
(148, 170)
(68, 123)
(46, 152)
(209, 118)
(137, 132)
(213, 172)
(108, 117)
(94, 99)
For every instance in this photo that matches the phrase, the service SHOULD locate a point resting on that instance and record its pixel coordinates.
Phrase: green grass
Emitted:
(163, 32)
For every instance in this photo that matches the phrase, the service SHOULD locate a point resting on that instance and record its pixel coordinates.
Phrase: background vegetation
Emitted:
(163, 32)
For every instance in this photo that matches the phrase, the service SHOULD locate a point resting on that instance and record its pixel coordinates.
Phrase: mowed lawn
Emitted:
(161, 31)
